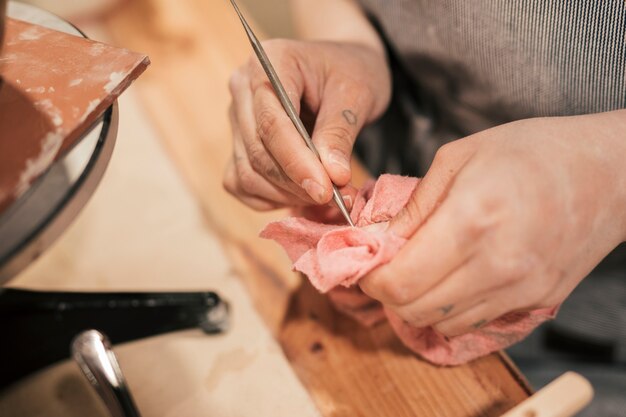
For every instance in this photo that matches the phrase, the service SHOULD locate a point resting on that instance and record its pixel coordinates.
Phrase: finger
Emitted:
(462, 289)
(433, 188)
(517, 298)
(231, 184)
(254, 185)
(444, 243)
(283, 142)
(465, 287)
(288, 66)
(330, 214)
(344, 109)
(250, 147)
(352, 297)
(471, 320)
(257, 204)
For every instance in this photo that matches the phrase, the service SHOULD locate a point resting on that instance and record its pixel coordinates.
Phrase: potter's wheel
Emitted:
(35, 220)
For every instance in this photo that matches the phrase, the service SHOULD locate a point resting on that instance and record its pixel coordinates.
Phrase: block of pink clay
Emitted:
(54, 86)
(334, 255)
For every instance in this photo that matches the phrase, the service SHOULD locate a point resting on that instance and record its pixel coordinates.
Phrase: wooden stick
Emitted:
(563, 397)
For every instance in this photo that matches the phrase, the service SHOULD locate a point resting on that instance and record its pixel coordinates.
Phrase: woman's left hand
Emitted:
(509, 219)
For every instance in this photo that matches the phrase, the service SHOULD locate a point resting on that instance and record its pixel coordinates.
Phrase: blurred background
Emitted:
(271, 15)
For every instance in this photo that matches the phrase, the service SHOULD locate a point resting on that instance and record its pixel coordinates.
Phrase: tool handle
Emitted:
(563, 397)
(92, 351)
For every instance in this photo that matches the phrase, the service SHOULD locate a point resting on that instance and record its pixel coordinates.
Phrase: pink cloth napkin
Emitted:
(337, 255)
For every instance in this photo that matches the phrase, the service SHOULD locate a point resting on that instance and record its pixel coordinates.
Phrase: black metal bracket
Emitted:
(39, 326)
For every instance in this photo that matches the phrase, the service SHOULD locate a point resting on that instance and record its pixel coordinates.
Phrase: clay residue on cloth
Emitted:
(335, 255)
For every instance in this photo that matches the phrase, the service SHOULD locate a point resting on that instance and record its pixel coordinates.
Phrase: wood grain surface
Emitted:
(348, 370)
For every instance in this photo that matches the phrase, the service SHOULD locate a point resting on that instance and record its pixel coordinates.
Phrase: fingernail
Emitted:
(348, 201)
(340, 159)
(314, 190)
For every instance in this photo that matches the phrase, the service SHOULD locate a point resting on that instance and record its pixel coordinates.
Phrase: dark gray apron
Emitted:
(463, 66)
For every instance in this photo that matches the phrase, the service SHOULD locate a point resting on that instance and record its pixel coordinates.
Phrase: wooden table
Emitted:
(345, 369)
(195, 45)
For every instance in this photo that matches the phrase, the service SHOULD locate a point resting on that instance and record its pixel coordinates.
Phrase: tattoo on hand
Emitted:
(274, 174)
(446, 309)
(479, 324)
(349, 116)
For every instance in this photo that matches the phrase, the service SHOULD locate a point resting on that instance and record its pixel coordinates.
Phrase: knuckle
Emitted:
(546, 295)
(252, 64)
(408, 317)
(229, 187)
(541, 292)
(247, 181)
(259, 205)
(520, 298)
(291, 167)
(412, 213)
(347, 86)
(507, 269)
(513, 267)
(449, 329)
(444, 152)
(279, 50)
(337, 136)
(265, 207)
(545, 299)
(235, 81)
(276, 44)
(267, 123)
(550, 300)
(257, 156)
(229, 182)
(480, 214)
(262, 164)
(415, 316)
(459, 326)
(394, 293)
(480, 207)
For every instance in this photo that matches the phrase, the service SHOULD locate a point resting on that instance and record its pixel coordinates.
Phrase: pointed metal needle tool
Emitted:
(287, 104)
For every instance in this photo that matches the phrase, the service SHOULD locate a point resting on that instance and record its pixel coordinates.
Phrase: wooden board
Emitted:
(348, 370)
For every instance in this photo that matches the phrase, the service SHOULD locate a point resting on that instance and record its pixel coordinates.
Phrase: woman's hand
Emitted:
(339, 87)
(509, 219)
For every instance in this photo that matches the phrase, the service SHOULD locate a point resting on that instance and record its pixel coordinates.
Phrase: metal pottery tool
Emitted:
(287, 105)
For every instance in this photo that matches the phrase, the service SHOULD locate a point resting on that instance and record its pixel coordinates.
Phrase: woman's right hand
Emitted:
(342, 86)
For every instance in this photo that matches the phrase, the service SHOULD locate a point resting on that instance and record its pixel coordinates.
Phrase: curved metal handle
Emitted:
(92, 351)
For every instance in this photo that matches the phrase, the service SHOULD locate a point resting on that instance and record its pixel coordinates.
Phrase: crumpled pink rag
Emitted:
(338, 255)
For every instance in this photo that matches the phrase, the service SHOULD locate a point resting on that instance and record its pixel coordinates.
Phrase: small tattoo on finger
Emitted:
(349, 116)
(446, 309)
(479, 324)
(273, 173)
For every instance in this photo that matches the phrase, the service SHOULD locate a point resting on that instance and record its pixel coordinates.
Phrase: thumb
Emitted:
(434, 187)
(345, 107)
